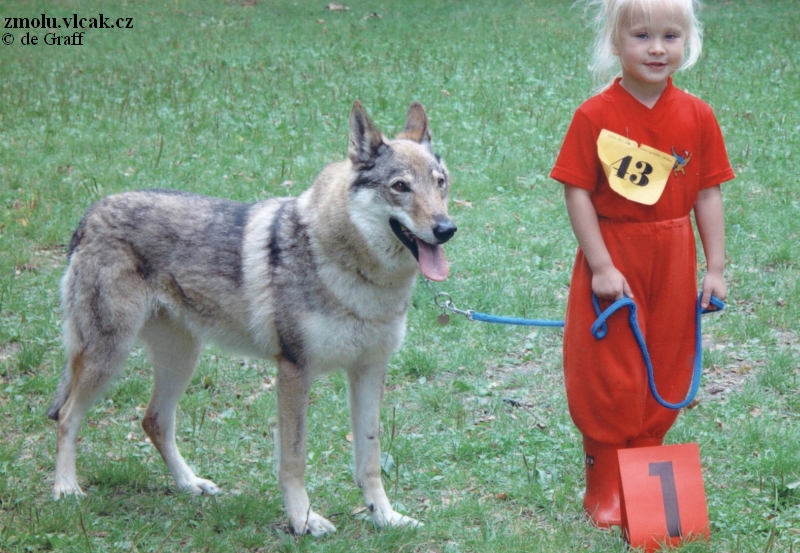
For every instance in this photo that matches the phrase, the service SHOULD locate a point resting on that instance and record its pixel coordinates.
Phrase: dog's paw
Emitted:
(313, 524)
(67, 490)
(200, 486)
(393, 519)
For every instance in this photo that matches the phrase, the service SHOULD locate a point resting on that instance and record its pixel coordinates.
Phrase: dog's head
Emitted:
(405, 184)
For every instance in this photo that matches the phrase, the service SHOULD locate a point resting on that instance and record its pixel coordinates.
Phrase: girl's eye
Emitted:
(400, 186)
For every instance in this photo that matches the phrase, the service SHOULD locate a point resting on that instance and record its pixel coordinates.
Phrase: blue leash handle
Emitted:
(600, 329)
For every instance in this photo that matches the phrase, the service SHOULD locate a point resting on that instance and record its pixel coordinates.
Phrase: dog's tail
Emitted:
(62, 393)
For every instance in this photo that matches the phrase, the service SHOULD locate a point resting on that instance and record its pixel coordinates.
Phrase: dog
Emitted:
(317, 282)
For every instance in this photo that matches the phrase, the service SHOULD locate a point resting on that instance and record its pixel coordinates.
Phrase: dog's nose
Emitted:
(444, 229)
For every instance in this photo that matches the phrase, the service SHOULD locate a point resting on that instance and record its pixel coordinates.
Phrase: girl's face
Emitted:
(650, 46)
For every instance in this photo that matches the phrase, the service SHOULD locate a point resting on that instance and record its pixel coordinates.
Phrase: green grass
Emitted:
(249, 101)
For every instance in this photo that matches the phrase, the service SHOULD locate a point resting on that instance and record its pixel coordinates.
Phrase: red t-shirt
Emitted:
(679, 124)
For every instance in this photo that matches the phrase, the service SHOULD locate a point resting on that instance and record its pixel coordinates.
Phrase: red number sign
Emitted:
(663, 497)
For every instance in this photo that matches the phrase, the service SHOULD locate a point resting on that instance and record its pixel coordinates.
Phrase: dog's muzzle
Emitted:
(431, 258)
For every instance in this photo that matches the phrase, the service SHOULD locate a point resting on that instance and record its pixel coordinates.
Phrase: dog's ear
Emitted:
(365, 139)
(417, 128)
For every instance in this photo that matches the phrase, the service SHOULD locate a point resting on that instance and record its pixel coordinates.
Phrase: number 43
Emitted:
(640, 179)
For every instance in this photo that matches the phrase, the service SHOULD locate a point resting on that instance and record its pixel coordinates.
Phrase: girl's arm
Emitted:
(711, 225)
(607, 282)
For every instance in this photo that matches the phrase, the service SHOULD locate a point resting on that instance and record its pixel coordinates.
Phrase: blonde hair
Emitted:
(608, 19)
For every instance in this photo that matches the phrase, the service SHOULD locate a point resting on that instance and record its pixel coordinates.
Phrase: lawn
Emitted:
(246, 100)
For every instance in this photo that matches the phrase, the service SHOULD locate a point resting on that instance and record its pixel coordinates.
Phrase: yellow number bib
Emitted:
(638, 173)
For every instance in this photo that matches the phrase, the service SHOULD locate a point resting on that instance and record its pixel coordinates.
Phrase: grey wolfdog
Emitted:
(317, 282)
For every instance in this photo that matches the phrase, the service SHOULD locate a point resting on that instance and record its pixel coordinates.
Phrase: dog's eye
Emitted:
(400, 186)
(441, 182)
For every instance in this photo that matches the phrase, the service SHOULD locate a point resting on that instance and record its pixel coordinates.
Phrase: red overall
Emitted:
(654, 248)
(606, 380)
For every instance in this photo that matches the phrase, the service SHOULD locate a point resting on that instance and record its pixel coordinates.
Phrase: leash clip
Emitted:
(444, 301)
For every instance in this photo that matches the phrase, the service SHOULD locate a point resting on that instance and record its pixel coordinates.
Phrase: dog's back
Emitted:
(137, 252)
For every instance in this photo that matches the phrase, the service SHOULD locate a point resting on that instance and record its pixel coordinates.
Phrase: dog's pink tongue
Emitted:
(432, 262)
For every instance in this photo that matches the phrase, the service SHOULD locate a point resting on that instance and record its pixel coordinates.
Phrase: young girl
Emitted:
(637, 158)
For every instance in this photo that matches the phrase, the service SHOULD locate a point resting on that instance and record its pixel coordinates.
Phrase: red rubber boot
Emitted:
(601, 500)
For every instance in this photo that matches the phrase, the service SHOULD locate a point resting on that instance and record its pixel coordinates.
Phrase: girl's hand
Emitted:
(610, 285)
(713, 283)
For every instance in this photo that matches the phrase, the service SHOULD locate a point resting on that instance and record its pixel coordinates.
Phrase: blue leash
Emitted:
(484, 318)
(600, 329)
(445, 302)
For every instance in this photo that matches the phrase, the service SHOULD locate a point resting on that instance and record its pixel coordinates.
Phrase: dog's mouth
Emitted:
(431, 259)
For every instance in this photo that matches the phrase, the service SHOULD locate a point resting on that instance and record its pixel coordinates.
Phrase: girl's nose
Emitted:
(657, 46)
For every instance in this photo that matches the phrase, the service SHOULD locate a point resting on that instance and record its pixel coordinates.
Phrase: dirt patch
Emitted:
(742, 363)
(43, 259)
(529, 375)
(737, 365)
(720, 382)
(50, 258)
(7, 351)
(786, 339)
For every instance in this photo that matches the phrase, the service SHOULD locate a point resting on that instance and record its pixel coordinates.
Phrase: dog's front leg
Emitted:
(294, 385)
(366, 392)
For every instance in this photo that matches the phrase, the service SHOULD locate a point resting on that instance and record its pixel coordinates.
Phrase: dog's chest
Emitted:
(343, 341)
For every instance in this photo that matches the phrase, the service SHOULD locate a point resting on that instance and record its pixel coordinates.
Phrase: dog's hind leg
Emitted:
(174, 352)
(88, 380)
(294, 385)
(366, 385)
(96, 349)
